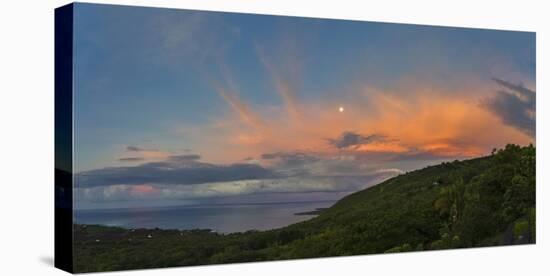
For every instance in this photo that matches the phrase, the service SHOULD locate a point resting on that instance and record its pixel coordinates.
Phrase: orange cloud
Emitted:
(140, 190)
(243, 111)
(141, 155)
(391, 147)
(439, 122)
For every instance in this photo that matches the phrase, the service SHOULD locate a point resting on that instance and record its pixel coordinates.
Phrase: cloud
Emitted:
(184, 157)
(133, 148)
(134, 153)
(282, 85)
(131, 159)
(195, 36)
(515, 106)
(406, 121)
(292, 163)
(178, 170)
(229, 93)
(183, 177)
(523, 93)
(291, 158)
(205, 191)
(269, 156)
(350, 139)
(309, 164)
(446, 152)
(390, 171)
(240, 108)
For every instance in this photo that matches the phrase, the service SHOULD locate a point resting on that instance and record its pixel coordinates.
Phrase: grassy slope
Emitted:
(478, 202)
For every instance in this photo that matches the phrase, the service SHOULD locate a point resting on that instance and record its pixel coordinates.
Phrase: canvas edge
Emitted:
(63, 249)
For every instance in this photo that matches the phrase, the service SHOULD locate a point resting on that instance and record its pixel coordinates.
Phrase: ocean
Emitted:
(223, 218)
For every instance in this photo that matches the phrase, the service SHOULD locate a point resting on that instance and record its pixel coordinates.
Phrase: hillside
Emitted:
(479, 202)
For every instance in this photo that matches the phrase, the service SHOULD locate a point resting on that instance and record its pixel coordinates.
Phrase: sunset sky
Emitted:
(186, 107)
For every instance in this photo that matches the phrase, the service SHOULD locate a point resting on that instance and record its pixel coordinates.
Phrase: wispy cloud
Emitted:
(243, 111)
(133, 148)
(523, 93)
(133, 153)
(229, 92)
(283, 85)
(514, 105)
(291, 158)
(184, 157)
(131, 159)
(409, 120)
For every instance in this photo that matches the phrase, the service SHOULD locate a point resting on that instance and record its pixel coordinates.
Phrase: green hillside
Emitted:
(480, 202)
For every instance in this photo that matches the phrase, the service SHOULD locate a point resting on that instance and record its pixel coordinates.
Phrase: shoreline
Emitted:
(278, 215)
(204, 205)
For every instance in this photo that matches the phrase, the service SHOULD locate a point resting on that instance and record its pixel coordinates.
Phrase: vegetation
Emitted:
(480, 202)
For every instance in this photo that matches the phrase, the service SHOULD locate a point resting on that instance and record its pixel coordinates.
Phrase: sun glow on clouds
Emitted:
(440, 122)
(138, 190)
(320, 150)
(126, 192)
(415, 118)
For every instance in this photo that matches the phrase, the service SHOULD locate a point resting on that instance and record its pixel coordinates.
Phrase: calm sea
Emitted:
(221, 218)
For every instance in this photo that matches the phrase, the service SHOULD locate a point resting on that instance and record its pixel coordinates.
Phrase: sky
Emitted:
(177, 107)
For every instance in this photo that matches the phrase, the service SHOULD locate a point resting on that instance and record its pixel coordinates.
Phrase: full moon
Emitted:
(341, 109)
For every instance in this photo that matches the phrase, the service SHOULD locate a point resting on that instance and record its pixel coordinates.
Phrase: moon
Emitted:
(341, 109)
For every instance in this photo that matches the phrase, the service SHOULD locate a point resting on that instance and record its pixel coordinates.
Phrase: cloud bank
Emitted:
(175, 170)
(185, 177)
